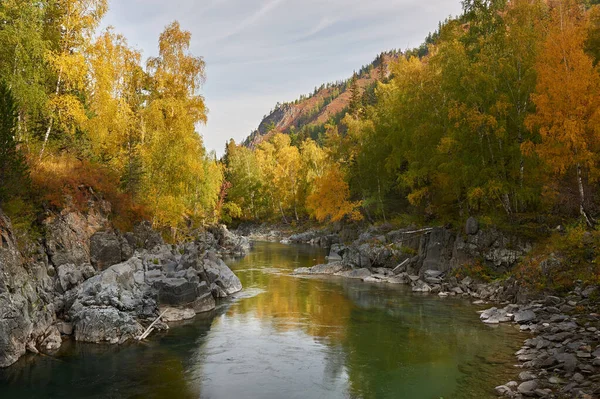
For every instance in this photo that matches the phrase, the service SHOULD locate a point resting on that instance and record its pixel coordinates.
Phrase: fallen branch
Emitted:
(149, 329)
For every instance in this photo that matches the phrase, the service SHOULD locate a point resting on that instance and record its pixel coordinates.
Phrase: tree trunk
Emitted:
(282, 214)
(588, 219)
(47, 135)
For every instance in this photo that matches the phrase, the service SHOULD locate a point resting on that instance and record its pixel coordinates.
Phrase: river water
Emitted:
(291, 337)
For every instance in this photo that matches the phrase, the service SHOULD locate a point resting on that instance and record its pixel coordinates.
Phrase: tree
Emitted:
(13, 169)
(355, 96)
(329, 200)
(567, 99)
(180, 179)
(22, 50)
(76, 22)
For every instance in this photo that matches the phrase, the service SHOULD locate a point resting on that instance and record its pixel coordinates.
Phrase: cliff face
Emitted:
(85, 279)
(26, 298)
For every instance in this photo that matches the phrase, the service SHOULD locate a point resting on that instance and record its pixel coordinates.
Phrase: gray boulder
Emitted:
(329, 268)
(99, 324)
(217, 270)
(420, 286)
(524, 316)
(472, 226)
(69, 276)
(105, 249)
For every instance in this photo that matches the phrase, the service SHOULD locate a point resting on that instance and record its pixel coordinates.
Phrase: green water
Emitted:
(291, 337)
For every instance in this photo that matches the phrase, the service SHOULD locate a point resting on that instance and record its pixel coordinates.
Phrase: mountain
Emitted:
(308, 115)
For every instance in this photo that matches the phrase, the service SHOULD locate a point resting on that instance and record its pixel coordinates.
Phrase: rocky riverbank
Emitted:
(86, 280)
(560, 357)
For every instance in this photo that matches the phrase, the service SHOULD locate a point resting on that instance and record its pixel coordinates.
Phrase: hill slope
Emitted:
(308, 115)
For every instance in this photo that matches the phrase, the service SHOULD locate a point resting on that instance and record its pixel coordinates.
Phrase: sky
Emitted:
(260, 52)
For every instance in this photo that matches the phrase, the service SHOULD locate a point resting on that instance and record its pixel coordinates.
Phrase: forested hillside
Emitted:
(307, 116)
(497, 116)
(82, 115)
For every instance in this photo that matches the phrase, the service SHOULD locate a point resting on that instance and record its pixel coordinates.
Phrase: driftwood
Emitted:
(397, 268)
(150, 327)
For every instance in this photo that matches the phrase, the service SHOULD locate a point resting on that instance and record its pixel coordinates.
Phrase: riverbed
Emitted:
(288, 336)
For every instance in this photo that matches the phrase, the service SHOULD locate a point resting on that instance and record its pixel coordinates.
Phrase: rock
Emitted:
(217, 270)
(467, 281)
(354, 273)
(68, 234)
(375, 279)
(65, 328)
(399, 279)
(52, 340)
(176, 291)
(524, 316)
(554, 380)
(420, 286)
(176, 314)
(26, 297)
(503, 390)
(329, 268)
(528, 387)
(527, 375)
(69, 276)
(105, 324)
(335, 253)
(472, 226)
(568, 360)
(105, 249)
(144, 236)
(205, 303)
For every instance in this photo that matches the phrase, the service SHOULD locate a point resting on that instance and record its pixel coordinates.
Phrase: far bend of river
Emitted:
(291, 337)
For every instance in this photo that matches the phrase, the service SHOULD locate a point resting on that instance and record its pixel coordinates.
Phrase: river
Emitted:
(289, 337)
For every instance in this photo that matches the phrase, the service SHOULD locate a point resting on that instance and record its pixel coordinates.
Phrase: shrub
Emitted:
(561, 260)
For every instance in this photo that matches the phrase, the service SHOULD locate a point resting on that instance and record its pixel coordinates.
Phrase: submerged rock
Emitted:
(329, 268)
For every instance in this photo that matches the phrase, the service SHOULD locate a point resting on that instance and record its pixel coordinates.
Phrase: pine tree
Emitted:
(355, 97)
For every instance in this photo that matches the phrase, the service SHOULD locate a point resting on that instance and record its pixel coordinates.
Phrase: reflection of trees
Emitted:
(390, 342)
(417, 346)
(289, 302)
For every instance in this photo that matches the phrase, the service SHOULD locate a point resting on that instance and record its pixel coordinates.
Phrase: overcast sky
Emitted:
(259, 52)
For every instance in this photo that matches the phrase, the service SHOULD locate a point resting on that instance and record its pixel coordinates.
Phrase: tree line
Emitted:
(499, 117)
(80, 108)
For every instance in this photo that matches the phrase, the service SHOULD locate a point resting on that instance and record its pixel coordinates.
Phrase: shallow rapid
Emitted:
(286, 336)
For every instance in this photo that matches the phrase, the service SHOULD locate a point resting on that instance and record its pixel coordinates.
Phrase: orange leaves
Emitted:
(567, 94)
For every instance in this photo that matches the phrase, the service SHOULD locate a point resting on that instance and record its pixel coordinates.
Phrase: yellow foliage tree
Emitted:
(329, 199)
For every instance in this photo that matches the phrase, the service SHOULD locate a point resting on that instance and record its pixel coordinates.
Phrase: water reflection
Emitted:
(291, 337)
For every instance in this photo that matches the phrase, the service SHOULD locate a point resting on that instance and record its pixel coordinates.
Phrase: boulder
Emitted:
(176, 291)
(177, 314)
(524, 316)
(204, 303)
(69, 276)
(528, 387)
(420, 286)
(329, 268)
(216, 269)
(355, 273)
(99, 324)
(472, 226)
(105, 249)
